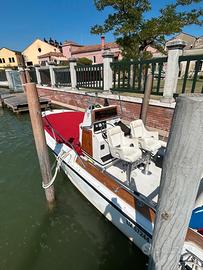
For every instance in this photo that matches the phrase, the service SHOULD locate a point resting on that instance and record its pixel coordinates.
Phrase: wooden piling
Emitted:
(180, 179)
(27, 76)
(147, 93)
(39, 136)
(23, 79)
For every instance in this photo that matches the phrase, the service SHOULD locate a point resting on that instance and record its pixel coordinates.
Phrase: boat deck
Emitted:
(148, 185)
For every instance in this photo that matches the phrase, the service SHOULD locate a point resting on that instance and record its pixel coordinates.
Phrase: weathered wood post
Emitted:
(180, 179)
(27, 75)
(24, 77)
(39, 136)
(147, 93)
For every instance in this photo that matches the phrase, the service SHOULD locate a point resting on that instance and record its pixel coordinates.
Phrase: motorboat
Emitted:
(117, 167)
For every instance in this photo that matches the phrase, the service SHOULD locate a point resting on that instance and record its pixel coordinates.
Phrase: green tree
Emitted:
(84, 61)
(134, 32)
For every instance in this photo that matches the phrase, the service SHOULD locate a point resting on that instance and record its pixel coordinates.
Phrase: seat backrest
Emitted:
(137, 128)
(114, 136)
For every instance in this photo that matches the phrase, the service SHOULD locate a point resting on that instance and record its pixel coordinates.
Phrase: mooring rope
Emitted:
(59, 159)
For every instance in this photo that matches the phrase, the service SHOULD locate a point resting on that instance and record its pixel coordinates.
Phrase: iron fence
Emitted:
(191, 74)
(130, 76)
(90, 76)
(62, 76)
(45, 76)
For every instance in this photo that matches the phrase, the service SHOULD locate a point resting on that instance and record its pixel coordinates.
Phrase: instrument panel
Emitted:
(100, 126)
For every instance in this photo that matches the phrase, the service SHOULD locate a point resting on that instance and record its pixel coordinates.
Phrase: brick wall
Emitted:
(158, 117)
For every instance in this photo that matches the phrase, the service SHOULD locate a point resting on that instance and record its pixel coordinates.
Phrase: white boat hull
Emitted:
(126, 218)
(112, 212)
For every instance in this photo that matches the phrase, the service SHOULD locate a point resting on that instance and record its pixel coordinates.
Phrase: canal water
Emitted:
(73, 236)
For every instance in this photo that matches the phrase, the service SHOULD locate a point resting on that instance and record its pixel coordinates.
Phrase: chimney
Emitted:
(102, 42)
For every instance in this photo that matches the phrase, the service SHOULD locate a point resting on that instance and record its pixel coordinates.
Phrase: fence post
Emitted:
(180, 180)
(38, 74)
(145, 102)
(52, 74)
(175, 49)
(108, 73)
(73, 77)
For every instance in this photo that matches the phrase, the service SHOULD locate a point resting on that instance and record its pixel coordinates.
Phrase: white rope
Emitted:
(61, 156)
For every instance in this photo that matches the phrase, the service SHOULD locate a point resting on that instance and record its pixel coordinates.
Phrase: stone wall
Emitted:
(159, 114)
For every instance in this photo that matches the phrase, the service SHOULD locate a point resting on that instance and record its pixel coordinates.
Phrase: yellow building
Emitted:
(36, 49)
(10, 58)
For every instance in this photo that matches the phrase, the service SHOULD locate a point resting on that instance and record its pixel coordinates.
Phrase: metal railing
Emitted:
(62, 76)
(191, 77)
(130, 76)
(45, 76)
(90, 76)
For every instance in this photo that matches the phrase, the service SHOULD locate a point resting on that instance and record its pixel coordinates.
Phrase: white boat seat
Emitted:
(122, 147)
(148, 140)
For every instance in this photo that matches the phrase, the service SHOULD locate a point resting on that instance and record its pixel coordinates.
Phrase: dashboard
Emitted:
(104, 113)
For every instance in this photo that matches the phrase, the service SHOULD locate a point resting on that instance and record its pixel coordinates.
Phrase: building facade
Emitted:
(10, 58)
(35, 50)
(92, 52)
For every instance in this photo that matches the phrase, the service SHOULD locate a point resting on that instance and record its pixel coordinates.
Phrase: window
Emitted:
(13, 59)
(0, 61)
(10, 60)
(39, 50)
(94, 59)
(29, 63)
(3, 60)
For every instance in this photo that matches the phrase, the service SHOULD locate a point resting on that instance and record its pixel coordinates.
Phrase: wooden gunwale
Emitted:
(109, 182)
(192, 236)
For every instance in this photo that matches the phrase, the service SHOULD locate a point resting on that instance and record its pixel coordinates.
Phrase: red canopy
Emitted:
(64, 127)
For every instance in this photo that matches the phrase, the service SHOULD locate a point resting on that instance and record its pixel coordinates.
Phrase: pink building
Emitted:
(92, 52)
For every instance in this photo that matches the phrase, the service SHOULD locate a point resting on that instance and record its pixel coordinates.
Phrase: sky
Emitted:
(22, 21)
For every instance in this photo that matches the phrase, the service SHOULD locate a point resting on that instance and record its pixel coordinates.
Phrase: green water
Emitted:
(73, 236)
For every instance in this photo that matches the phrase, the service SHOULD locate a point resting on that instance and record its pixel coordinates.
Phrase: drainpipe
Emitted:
(102, 43)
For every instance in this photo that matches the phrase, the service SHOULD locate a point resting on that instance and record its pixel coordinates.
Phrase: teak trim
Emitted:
(146, 211)
(107, 181)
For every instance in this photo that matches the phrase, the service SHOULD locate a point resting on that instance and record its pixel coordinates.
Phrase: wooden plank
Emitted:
(87, 141)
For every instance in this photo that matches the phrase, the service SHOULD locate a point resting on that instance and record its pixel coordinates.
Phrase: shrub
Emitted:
(84, 61)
